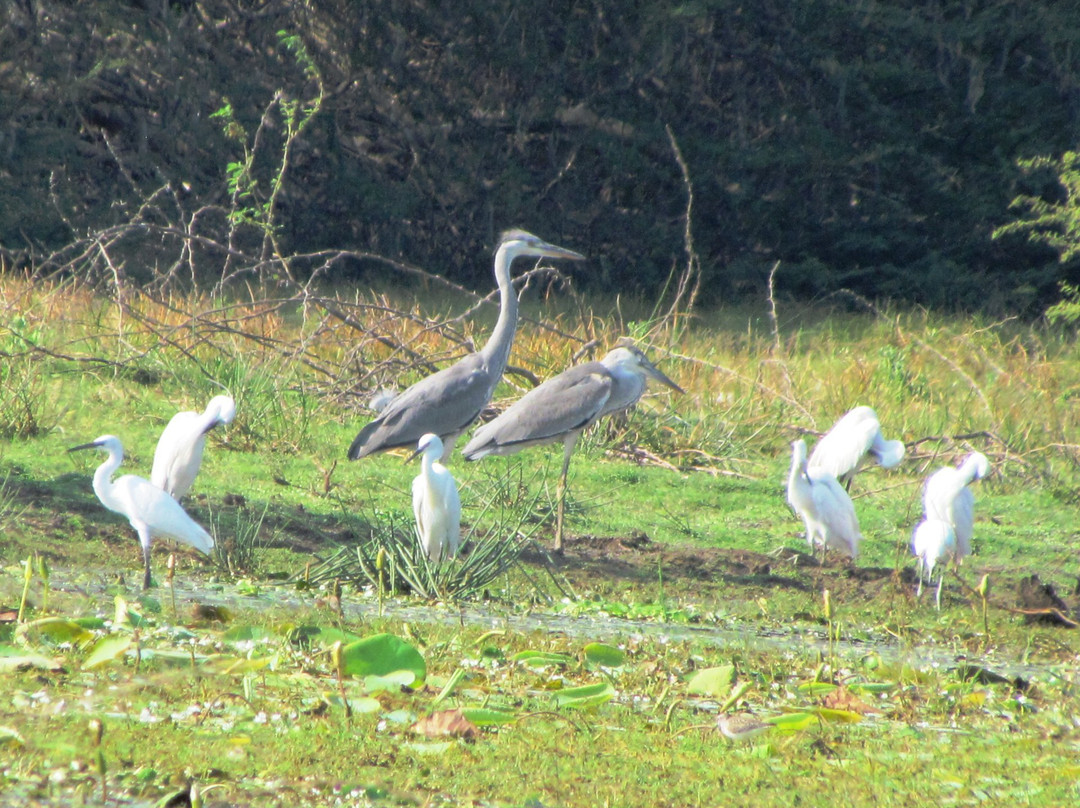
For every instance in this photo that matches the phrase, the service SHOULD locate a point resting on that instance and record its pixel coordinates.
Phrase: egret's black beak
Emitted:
(91, 445)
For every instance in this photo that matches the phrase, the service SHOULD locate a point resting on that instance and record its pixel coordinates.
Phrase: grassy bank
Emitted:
(677, 512)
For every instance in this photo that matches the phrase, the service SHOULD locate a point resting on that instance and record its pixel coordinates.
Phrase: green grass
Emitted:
(723, 555)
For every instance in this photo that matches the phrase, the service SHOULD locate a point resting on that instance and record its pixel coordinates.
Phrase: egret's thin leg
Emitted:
(919, 575)
(568, 449)
(940, 581)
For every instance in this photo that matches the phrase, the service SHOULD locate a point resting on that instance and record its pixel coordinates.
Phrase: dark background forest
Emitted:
(871, 146)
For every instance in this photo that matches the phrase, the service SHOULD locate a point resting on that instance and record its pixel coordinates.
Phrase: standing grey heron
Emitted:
(180, 448)
(857, 434)
(563, 407)
(824, 505)
(446, 402)
(947, 497)
(149, 509)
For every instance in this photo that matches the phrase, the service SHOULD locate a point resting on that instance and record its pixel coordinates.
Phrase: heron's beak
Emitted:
(212, 425)
(653, 372)
(414, 455)
(91, 445)
(553, 251)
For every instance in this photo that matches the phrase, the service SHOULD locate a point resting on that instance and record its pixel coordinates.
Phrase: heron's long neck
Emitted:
(797, 474)
(103, 480)
(497, 350)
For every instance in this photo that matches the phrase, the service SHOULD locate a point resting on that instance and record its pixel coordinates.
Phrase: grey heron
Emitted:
(824, 505)
(180, 448)
(933, 543)
(947, 496)
(857, 434)
(564, 406)
(436, 502)
(446, 402)
(149, 509)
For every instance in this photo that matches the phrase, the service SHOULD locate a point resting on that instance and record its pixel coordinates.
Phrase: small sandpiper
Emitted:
(741, 726)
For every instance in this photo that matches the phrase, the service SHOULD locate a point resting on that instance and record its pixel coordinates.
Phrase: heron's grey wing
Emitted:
(444, 403)
(562, 404)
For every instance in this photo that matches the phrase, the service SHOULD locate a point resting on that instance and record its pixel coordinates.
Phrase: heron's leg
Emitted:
(144, 540)
(568, 449)
(919, 575)
(448, 446)
(940, 581)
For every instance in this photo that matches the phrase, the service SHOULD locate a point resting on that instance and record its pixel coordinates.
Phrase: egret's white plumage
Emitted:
(564, 406)
(445, 403)
(946, 496)
(436, 503)
(933, 543)
(149, 509)
(823, 504)
(857, 434)
(180, 448)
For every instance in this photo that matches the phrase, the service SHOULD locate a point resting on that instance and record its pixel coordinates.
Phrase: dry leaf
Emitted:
(450, 723)
(844, 699)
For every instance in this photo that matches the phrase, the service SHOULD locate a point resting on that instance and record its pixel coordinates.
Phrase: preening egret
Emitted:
(947, 497)
(563, 407)
(445, 403)
(180, 448)
(857, 434)
(149, 509)
(933, 543)
(436, 503)
(823, 504)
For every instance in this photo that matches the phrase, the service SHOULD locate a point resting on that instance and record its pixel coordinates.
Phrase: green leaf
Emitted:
(838, 716)
(585, 696)
(712, 682)
(21, 662)
(56, 629)
(106, 650)
(247, 633)
(539, 659)
(488, 716)
(597, 653)
(380, 655)
(872, 687)
(793, 722)
(815, 689)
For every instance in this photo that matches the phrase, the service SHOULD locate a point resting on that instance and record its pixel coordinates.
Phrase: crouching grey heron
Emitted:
(149, 509)
(446, 402)
(564, 406)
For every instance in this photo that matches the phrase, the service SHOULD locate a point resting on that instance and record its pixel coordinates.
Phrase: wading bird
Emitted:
(563, 407)
(180, 448)
(151, 511)
(741, 726)
(933, 543)
(947, 497)
(824, 505)
(857, 434)
(446, 402)
(436, 503)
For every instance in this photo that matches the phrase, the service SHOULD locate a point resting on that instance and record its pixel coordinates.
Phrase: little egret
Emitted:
(823, 504)
(564, 406)
(857, 434)
(180, 448)
(149, 509)
(933, 543)
(436, 503)
(947, 497)
(446, 402)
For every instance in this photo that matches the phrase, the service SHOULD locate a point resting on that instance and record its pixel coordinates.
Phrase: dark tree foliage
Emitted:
(866, 145)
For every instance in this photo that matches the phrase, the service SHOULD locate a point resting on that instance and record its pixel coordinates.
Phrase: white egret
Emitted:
(149, 509)
(933, 543)
(946, 496)
(564, 406)
(436, 503)
(180, 448)
(823, 504)
(857, 434)
(446, 402)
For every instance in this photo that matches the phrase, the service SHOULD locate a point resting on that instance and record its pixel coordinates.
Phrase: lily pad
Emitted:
(540, 659)
(712, 682)
(585, 696)
(382, 654)
(597, 653)
(488, 717)
(106, 650)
